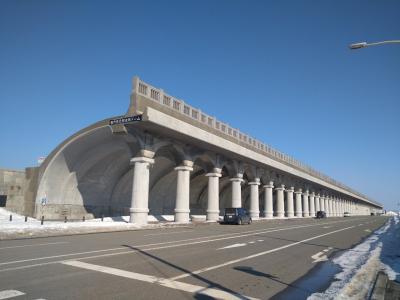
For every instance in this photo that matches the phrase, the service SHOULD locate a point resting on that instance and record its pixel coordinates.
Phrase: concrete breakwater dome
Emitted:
(180, 161)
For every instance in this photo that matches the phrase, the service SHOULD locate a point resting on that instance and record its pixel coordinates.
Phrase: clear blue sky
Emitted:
(278, 70)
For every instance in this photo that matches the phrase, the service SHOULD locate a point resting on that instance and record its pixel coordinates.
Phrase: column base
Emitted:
(299, 214)
(268, 215)
(280, 214)
(254, 214)
(182, 216)
(290, 214)
(138, 216)
(212, 215)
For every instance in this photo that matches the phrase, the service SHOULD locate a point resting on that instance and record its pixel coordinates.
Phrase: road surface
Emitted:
(256, 261)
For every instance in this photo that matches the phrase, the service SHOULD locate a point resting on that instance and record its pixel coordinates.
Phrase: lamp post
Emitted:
(365, 44)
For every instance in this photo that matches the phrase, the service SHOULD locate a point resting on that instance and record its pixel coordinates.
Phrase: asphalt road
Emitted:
(196, 262)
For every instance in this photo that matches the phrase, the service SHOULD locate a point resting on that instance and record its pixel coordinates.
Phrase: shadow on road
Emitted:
(252, 271)
(210, 284)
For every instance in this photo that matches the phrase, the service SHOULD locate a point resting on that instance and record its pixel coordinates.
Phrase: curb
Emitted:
(379, 289)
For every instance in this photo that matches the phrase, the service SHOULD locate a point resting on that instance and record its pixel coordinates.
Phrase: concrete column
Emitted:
(317, 206)
(322, 203)
(183, 192)
(327, 206)
(254, 199)
(299, 209)
(139, 209)
(213, 195)
(268, 202)
(330, 203)
(343, 206)
(237, 190)
(280, 202)
(306, 212)
(289, 203)
(312, 205)
(333, 207)
(337, 207)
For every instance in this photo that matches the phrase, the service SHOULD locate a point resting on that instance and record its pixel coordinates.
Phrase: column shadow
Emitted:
(210, 284)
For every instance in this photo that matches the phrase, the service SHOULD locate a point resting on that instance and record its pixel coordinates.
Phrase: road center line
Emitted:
(32, 245)
(256, 255)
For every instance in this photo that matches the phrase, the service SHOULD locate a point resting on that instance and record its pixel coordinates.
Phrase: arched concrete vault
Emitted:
(92, 173)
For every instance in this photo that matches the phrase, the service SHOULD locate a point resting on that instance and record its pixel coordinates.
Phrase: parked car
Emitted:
(321, 214)
(346, 214)
(236, 216)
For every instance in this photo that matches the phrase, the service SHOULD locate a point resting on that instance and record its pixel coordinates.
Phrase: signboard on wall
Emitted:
(125, 120)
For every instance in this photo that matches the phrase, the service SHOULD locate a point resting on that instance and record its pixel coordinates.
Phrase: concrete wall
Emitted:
(12, 188)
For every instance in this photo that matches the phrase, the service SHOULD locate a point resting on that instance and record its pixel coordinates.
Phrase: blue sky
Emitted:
(278, 70)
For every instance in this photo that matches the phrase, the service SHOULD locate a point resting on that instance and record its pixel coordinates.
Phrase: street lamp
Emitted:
(365, 44)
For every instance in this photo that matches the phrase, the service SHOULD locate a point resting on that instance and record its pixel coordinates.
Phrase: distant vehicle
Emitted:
(321, 214)
(236, 216)
(346, 214)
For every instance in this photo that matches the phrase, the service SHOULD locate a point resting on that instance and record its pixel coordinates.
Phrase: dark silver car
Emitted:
(238, 216)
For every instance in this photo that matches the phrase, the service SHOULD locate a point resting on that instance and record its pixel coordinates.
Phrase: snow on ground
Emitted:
(19, 228)
(380, 251)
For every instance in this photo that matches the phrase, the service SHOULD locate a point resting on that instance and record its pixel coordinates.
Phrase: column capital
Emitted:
(299, 191)
(213, 175)
(269, 185)
(291, 189)
(183, 168)
(146, 153)
(279, 188)
(236, 179)
(141, 159)
(255, 182)
(312, 194)
(306, 193)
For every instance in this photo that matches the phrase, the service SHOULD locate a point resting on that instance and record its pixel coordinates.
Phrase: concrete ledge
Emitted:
(379, 289)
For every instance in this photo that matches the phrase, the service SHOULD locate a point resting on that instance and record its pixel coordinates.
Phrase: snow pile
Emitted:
(361, 264)
(16, 218)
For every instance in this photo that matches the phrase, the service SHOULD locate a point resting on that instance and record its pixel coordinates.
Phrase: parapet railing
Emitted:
(178, 105)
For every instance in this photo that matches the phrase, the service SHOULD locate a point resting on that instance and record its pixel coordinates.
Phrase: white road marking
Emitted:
(326, 226)
(233, 246)
(32, 245)
(7, 294)
(256, 255)
(175, 232)
(252, 242)
(190, 288)
(260, 240)
(367, 230)
(192, 241)
(320, 256)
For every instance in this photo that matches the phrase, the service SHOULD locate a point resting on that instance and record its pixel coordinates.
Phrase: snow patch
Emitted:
(360, 264)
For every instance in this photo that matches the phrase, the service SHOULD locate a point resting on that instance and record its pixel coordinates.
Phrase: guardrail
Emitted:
(182, 107)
